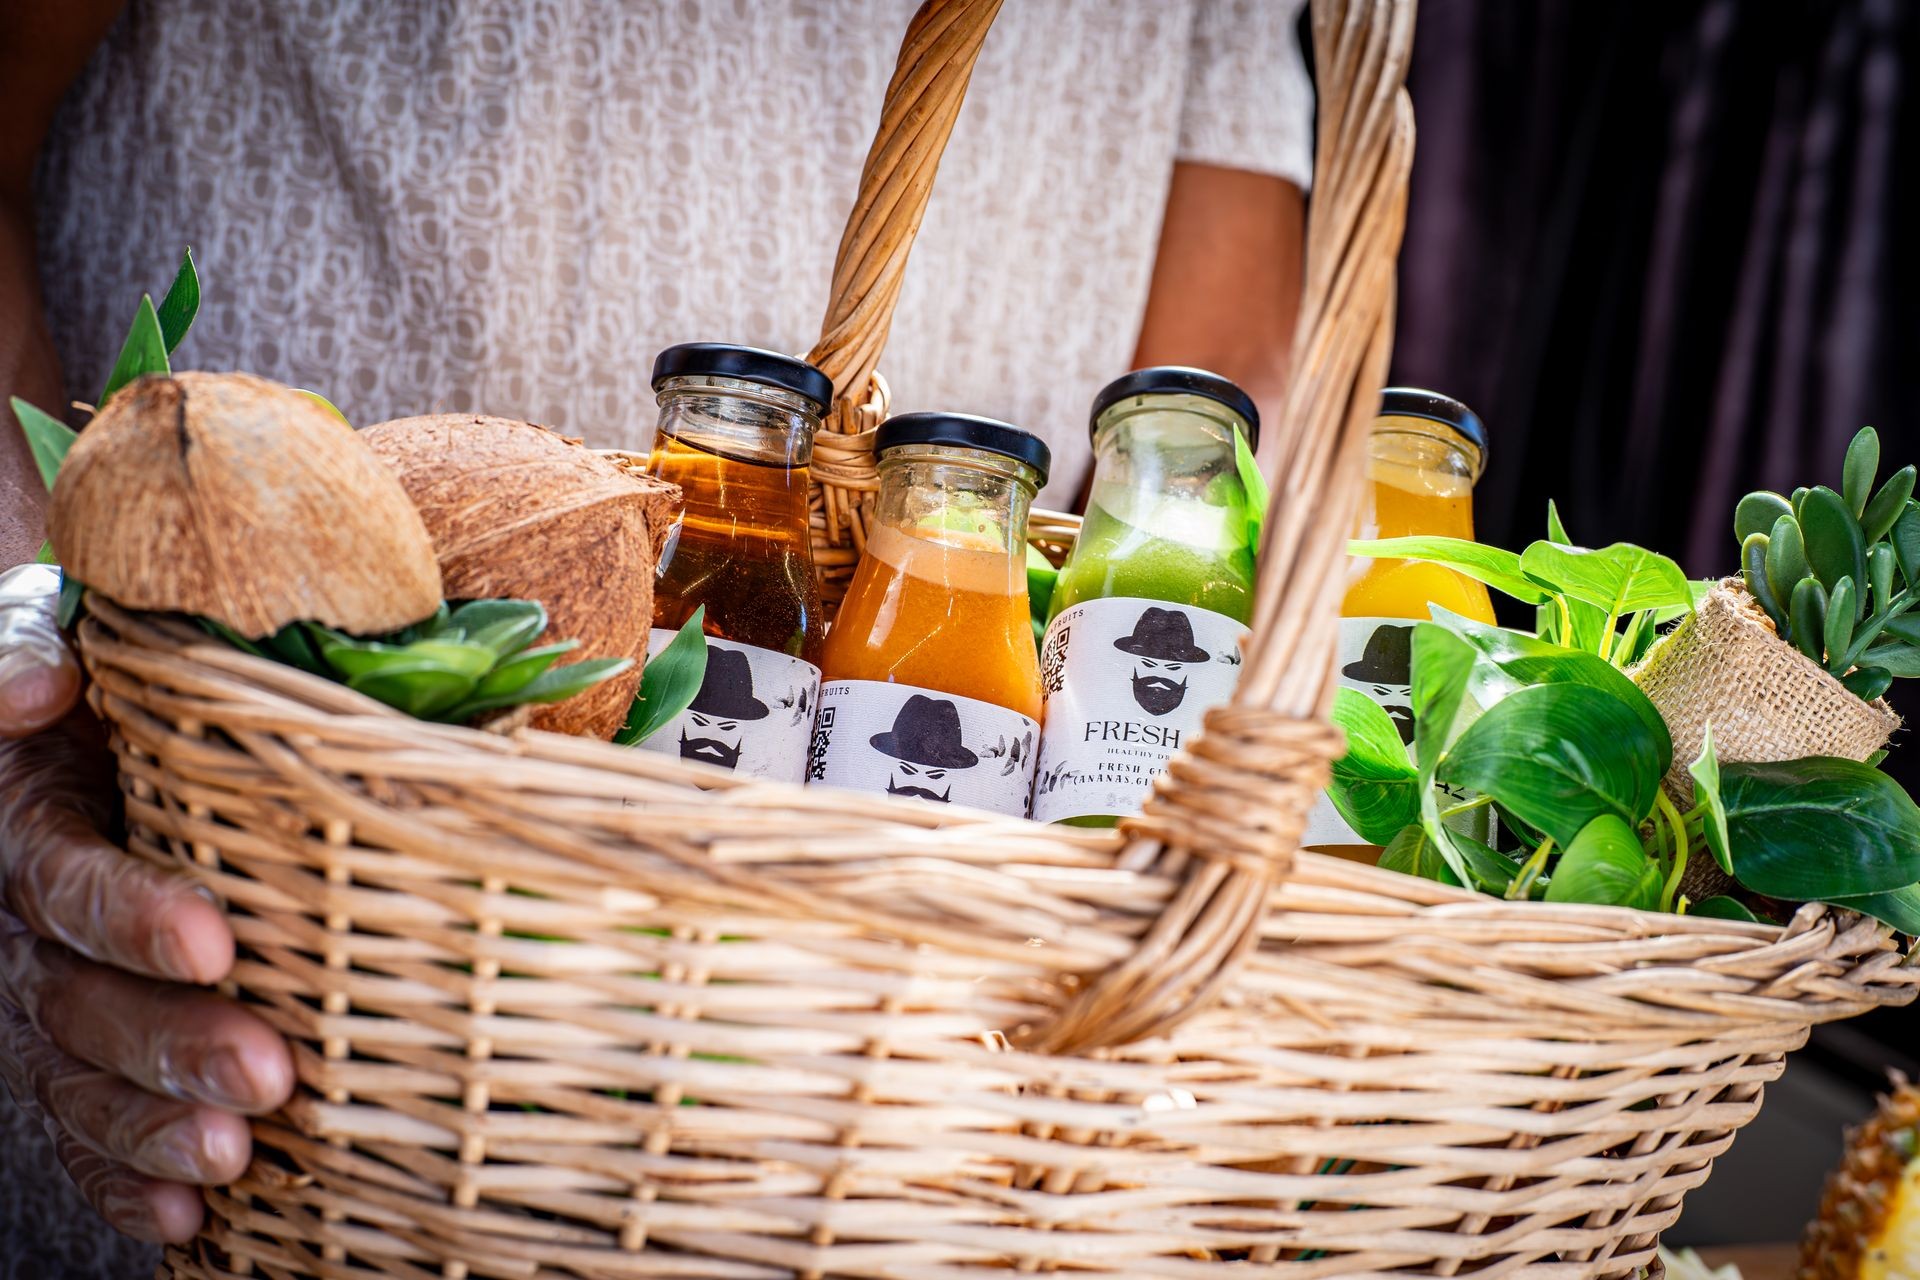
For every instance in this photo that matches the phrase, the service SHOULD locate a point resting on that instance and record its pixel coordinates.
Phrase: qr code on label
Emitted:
(1053, 659)
(817, 753)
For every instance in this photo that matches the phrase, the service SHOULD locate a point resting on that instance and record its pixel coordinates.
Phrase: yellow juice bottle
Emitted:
(1426, 452)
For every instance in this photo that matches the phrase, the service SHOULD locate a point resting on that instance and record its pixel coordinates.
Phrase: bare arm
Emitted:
(1226, 282)
(42, 48)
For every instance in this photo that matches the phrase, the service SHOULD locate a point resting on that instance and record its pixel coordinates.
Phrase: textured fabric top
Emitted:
(511, 205)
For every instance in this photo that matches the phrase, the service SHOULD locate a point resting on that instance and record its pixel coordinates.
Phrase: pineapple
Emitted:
(1869, 1223)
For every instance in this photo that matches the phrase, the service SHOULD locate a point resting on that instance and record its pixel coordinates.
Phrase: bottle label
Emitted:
(898, 740)
(1128, 682)
(753, 714)
(1376, 660)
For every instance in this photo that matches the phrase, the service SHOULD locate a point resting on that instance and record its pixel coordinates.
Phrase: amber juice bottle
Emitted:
(736, 434)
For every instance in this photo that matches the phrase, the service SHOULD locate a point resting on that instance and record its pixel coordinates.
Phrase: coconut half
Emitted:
(244, 501)
(518, 511)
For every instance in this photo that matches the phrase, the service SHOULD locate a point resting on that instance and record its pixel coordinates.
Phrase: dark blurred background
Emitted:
(1670, 250)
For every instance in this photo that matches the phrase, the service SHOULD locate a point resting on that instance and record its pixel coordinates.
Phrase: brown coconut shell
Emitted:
(518, 511)
(244, 501)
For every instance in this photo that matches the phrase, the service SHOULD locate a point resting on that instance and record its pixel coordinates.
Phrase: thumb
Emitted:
(39, 678)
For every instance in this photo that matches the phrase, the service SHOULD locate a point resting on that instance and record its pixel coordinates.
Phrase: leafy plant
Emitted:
(1838, 572)
(669, 683)
(458, 664)
(1571, 755)
(1608, 602)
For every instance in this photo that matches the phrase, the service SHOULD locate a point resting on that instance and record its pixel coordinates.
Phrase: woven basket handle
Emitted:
(923, 100)
(1226, 820)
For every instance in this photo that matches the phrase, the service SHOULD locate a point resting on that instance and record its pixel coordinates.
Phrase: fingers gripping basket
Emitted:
(564, 1010)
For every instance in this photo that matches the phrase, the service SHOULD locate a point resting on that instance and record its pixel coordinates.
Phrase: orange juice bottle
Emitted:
(1426, 453)
(736, 434)
(930, 682)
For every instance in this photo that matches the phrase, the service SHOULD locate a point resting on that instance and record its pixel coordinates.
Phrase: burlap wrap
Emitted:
(1726, 664)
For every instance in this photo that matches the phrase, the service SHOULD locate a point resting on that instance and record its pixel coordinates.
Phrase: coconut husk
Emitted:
(1725, 664)
(518, 511)
(244, 501)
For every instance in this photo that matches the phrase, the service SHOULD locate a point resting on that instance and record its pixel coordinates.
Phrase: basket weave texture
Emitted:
(564, 1010)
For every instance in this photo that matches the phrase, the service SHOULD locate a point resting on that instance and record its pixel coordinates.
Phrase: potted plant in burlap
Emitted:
(1791, 658)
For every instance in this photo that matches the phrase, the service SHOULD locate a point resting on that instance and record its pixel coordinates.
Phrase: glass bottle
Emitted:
(1426, 453)
(1168, 522)
(931, 683)
(736, 434)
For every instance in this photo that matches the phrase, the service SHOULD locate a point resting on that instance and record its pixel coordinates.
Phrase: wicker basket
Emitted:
(565, 1010)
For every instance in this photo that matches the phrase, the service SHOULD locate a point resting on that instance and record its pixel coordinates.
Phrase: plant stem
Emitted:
(1523, 883)
(1478, 802)
(1679, 826)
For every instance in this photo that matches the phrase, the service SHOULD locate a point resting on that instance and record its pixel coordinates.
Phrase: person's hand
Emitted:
(141, 1080)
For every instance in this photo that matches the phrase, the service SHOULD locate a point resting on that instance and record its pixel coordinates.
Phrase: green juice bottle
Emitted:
(1144, 631)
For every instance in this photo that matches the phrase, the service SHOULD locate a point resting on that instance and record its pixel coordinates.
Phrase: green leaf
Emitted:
(422, 690)
(1489, 870)
(1606, 864)
(144, 352)
(1442, 707)
(1868, 683)
(1041, 577)
(221, 631)
(515, 673)
(1881, 568)
(1906, 544)
(71, 590)
(1809, 621)
(1758, 513)
(1753, 572)
(1558, 756)
(669, 683)
(1375, 786)
(45, 555)
(1786, 558)
(367, 658)
(1897, 659)
(1899, 908)
(181, 304)
(1556, 531)
(295, 646)
(503, 626)
(556, 684)
(1808, 830)
(1413, 853)
(1838, 627)
(1887, 504)
(1835, 546)
(1254, 481)
(1619, 579)
(48, 438)
(324, 403)
(1861, 466)
(1724, 908)
(1507, 661)
(1706, 794)
(1495, 566)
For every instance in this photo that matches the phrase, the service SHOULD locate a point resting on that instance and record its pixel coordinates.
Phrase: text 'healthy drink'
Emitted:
(1152, 604)
(736, 434)
(931, 684)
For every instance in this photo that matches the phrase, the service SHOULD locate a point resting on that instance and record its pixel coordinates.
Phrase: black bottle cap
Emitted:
(1412, 402)
(1173, 379)
(749, 364)
(967, 432)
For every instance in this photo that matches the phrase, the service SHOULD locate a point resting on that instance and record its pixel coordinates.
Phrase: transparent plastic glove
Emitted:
(140, 1078)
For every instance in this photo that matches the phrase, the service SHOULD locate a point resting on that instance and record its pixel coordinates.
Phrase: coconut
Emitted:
(518, 511)
(232, 497)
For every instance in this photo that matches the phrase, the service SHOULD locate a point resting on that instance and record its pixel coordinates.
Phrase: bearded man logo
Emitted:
(925, 743)
(1162, 646)
(1386, 667)
(724, 701)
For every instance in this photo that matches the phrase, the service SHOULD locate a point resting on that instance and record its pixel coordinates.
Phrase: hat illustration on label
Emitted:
(925, 741)
(1386, 665)
(725, 699)
(1162, 641)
